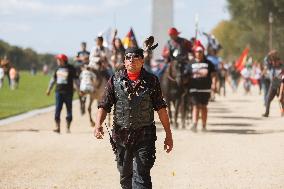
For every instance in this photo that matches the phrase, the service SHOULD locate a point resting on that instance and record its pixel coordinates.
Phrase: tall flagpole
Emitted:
(196, 25)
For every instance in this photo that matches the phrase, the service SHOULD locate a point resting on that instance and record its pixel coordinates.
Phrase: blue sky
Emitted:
(60, 25)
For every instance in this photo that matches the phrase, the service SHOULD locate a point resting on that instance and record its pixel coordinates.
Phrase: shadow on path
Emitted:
(238, 117)
(219, 111)
(242, 101)
(232, 124)
(20, 130)
(243, 131)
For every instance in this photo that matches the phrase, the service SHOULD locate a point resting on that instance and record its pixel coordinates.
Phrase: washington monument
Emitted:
(162, 20)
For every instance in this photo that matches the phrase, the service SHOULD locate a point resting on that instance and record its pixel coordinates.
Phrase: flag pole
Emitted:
(196, 25)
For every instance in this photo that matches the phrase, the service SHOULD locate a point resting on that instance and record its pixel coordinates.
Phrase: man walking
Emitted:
(135, 94)
(63, 77)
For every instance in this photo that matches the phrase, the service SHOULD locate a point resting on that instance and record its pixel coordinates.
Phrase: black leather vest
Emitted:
(132, 109)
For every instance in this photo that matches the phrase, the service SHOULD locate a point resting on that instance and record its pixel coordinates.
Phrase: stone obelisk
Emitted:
(162, 20)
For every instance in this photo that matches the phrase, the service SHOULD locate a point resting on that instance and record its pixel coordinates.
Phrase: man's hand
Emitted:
(280, 98)
(47, 92)
(99, 132)
(164, 118)
(168, 143)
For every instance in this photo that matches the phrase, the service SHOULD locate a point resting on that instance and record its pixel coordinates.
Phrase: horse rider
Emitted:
(64, 77)
(135, 94)
(100, 56)
(177, 47)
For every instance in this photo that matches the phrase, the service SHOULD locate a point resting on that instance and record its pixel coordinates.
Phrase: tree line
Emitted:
(25, 58)
(249, 26)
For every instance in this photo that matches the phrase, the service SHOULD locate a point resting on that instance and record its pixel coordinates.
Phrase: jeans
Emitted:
(265, 86)
(61, 98)
(134, 162)
(272, 92)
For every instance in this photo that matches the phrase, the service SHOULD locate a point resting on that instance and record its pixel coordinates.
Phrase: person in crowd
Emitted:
(118, 51)
(202, 75)
(81, 60)
(6, 64)
(246, 74)
(2, 75)
(222, 75)
(64, 78)
(33, 69)
(281, 95)
(275, 67)
(14, 78)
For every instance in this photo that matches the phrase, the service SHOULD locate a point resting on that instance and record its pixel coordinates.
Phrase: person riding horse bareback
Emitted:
(64, 77)
(135, 94)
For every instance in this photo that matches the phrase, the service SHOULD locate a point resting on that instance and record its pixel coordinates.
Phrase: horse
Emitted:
(98, 84)
(174, 87)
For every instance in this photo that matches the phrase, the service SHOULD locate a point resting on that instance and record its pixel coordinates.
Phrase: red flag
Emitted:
(130, 39)
(240, 63)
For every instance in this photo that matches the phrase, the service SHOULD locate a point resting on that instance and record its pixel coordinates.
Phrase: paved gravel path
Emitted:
(240, 150)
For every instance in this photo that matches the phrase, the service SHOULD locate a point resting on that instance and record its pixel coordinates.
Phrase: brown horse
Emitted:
(174, 88)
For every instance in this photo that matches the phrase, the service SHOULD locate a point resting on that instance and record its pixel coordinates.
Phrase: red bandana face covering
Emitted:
(133, 76)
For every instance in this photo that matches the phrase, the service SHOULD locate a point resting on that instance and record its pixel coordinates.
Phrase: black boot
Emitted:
(83, 102)
(57, 130)
(265, 115)
(68, 127)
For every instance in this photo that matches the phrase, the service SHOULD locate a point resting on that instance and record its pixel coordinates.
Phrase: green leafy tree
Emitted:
(249, 23)
(23, 59)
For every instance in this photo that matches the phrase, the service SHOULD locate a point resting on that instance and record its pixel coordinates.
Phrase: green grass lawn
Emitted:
(29, 95)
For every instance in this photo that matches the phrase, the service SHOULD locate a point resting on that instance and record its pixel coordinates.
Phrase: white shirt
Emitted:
(1, 73)
(246, 73)
(86, 80)
(97, 52)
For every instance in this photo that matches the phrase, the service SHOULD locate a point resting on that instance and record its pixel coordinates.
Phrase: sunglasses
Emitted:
(134, 57)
